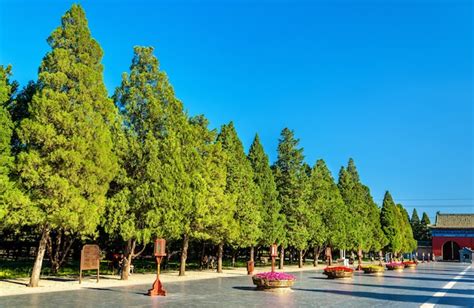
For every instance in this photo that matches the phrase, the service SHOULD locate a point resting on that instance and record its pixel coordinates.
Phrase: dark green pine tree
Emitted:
(68, 161)
(241, 189)
(409, 242)
(272, 221)
(390, 220)
(355, 198)
(415, 225)
(292, 184)
(425, 233)
(14, 207)
(377, 236)
(327, 209)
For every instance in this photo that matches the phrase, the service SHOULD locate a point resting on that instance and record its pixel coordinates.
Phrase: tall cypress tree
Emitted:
(292, 184)
(425, 233)
(328, 213)
(272, 221)
(390, 220)
(68, 162)
(378, 240)
(415, 224)
(409, 242)
(356, 199)
(241, 189)
(6, 131)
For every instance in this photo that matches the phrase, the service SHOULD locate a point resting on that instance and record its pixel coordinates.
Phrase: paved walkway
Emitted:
(410, 288)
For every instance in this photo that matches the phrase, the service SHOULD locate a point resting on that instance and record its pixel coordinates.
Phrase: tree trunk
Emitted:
(233, 257)
(252, 252)
(300, 259)
(282, 258)
(220, 252)
(36, 272)
(128, 259)
(315, 256)
(184, 255)
(59, 249)
(203, 251)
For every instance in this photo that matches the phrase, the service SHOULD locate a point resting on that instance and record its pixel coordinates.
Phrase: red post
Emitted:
(273, 254)
(157, 288)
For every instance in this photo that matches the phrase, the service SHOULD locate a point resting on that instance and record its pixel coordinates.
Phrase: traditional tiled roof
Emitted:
(454, 221)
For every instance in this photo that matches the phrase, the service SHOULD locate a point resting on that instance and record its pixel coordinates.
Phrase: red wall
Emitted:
(438, 242)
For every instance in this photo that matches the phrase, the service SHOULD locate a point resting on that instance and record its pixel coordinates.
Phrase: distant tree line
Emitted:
(76, 163)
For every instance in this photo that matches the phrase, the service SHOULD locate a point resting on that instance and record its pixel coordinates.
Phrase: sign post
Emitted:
(90, 259)
(273, 254)
(160, 252)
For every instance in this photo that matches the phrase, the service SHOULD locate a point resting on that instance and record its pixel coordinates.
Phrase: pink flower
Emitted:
(275, 276)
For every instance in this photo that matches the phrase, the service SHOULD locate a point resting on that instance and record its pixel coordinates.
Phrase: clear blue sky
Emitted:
(389, 83)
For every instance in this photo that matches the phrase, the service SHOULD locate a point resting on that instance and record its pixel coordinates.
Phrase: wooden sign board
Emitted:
(90, 259)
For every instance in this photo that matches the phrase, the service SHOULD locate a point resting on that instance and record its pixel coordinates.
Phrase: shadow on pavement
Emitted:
(429, 279)
(458, 300)
(413, 288)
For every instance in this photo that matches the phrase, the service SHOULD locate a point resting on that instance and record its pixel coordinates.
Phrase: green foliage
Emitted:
(241, 189)
(272, 221)
(415, 225)
(327, 209)
(425, 233)
(396, 226)
(67, 162)
(355, 198)
(377, 236)
(409, 242)
(292, 185)
(389, 218)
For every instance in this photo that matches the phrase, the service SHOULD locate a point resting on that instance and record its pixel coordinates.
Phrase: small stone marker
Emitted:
(90, 259)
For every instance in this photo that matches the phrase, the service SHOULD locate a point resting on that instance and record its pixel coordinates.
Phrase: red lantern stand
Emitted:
(273, 254)
(159, 252)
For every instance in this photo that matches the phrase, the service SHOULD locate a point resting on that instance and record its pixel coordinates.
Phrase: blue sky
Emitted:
(389, 83)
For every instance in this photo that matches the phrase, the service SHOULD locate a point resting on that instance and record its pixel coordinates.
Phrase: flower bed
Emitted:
(338, 272)
(410, 264)
(395, 266)
(373, 269)
(269, 281)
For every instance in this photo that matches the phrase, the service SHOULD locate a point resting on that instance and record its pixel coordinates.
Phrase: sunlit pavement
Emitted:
(410, 288)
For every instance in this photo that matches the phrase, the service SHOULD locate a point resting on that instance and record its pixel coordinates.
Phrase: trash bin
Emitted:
(250, 266)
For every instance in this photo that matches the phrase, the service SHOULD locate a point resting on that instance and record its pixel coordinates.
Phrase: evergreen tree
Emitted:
(68, 161)
(152, 195)
(12, 201)
(292, 184)
(327, 209)
(355, 197)
(390, 220)
(241, 189)
(415, 224)
(272, 221)
(378, 240)
(425, 233)
(409, 242)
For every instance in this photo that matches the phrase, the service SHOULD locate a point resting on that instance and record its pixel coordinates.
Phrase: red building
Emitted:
(450, 233)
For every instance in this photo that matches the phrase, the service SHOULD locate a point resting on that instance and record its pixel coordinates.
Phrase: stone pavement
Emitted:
(410, 288)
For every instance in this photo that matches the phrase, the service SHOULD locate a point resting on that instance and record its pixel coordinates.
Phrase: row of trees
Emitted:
(137, 166)
(421, 231)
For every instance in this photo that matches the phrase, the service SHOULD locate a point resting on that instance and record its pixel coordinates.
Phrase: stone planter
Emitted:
(338, 274)
(376, 270)
(410, 265)
(273, 285)
(395, 267)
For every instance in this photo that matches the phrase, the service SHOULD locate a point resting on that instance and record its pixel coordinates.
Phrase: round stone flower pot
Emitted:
(395, 267)
(274, 282)
(338, 272)
(410, 265)
(273, 285)
(375, 270)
